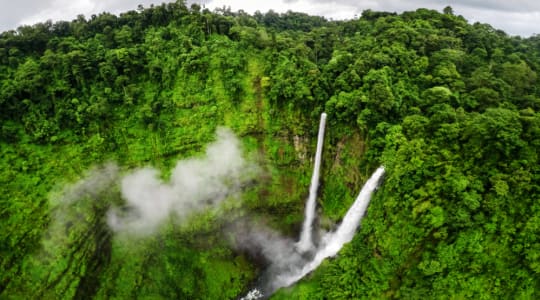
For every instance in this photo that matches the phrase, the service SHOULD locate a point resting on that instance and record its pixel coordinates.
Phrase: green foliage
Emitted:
(450, 109)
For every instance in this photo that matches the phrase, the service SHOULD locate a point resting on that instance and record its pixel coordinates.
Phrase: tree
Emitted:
(448, 10)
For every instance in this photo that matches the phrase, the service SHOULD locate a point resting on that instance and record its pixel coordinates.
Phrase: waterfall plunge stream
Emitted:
(330, 243)
(334, 241)
(306, 241)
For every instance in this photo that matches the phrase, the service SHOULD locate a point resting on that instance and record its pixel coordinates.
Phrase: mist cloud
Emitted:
(79, 206)
(195, 184)
(278, 252)
(83, 223)
(95, 182)
(76, 222)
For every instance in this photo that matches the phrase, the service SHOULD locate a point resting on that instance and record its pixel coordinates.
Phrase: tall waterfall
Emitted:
(298, 267)
(306, 241)
(333, 242)
(289, 263)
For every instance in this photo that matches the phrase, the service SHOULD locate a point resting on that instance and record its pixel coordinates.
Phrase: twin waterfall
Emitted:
(334, 241)
(330, 243)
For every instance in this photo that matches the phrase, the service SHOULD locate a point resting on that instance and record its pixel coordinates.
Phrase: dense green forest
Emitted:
(451, 109)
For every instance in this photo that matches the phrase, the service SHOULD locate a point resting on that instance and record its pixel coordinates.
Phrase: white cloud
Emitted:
(513, 23)
(330, 9)
(195, 184)
(514, 17)
(61, 9)
(518, 17)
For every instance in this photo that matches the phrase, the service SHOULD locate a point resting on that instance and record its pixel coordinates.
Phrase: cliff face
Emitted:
(450, 109)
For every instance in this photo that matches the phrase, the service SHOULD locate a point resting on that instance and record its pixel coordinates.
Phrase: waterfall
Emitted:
(290, 263)
(297, 266)
(333, 242)
(306, 241)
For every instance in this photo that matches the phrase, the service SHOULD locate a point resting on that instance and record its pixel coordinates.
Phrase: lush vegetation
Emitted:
(451, 109)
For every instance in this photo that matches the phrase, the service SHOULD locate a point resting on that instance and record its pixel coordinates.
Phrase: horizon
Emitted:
(514, 20)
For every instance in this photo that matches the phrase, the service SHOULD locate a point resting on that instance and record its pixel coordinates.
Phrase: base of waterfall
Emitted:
(299, 266)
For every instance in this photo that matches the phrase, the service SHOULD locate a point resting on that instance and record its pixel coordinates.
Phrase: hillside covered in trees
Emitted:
(451, 109)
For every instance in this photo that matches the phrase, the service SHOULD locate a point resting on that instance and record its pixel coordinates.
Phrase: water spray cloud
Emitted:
(297, 265)
(333, 242)
(290, 262)
(195, 184)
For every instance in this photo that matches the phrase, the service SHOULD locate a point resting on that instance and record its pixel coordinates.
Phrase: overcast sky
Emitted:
(518, 17)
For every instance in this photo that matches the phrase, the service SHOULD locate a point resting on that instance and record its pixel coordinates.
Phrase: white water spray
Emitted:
(330, 246)
(333, 242)
(306, 241)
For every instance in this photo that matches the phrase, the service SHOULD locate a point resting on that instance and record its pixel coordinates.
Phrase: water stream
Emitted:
(306, 240)
(333, 242)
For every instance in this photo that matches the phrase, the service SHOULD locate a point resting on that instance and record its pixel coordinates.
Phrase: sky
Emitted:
(518, 17)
